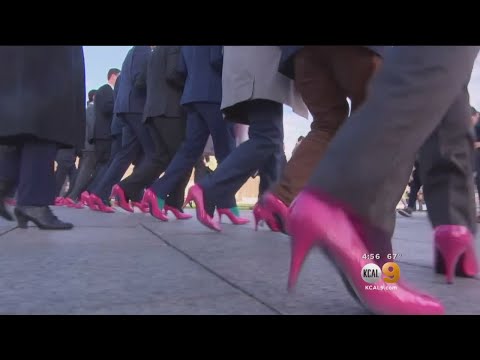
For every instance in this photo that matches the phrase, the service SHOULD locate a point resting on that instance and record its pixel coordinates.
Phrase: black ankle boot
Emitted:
(5, 189)
(42, 216)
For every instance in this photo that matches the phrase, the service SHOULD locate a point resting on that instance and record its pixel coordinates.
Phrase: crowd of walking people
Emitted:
(339, 190)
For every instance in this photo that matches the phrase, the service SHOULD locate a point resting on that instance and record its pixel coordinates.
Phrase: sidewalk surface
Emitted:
(133, 264)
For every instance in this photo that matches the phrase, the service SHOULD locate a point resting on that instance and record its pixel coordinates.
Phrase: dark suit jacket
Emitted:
(104, 101)
(202, 68)
(164, 83)
(132, 88)
(117, 124)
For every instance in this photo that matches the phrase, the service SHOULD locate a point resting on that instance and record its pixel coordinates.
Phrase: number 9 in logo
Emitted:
(391, 271)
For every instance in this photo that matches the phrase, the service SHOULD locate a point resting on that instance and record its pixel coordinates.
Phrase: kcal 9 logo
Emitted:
(371, 273)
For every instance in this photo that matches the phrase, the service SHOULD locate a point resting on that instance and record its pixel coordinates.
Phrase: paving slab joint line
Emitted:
(211, 271)
(9, 230)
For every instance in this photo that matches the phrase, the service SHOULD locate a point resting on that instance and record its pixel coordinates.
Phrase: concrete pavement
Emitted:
(133, 264)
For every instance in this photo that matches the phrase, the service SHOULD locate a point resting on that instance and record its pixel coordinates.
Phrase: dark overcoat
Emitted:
(42, 94)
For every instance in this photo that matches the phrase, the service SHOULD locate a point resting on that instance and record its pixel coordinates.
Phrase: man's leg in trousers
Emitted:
(366, 150)
(446, 168)
(37, 177)
(9, 168)
(172, 132)
(325, 77)
(265, 137)
(155, 161)
(84, 176)
(117, 168)
(414, 188)
(191, 149)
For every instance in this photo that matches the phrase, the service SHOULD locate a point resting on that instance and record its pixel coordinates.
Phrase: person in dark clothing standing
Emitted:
(66, 168)
(476, 128)
(46, 111)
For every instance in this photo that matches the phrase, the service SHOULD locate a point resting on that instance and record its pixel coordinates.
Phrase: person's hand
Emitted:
(477, 144)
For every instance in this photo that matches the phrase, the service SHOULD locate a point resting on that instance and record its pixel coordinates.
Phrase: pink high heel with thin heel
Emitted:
(121, 199)
(195, 194)
(336, 233)
(454, 252)
(262, 216)
(151, 200)
(96, 204)
(177, 213)
(236, 220)
(277, 210)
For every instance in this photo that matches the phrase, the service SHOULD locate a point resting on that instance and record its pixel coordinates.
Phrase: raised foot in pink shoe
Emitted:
(262, 216)
(154, 204)
(454, 252)
(339, 237)
(275, 210)
(177, 213)
(195, 194)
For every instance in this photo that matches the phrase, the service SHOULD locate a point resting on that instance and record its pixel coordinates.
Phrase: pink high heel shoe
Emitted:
(141, 206)
(336, 234)
(72, 204)
(262, 216)
(84, 198)
(121, 199)
(96, 204)
(454, 252)
(151, 200)
(195, 194)
(276, 209)
(59, 201)
(178, 214)
(236, 220)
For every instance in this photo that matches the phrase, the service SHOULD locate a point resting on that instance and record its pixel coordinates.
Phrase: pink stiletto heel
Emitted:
(339, 236)
(454, 252)
(121, 199)
(151, 200)
(195, 194)
(178, 214)
(276, 209)
(97, 204)
(236, 220)
(262, 216)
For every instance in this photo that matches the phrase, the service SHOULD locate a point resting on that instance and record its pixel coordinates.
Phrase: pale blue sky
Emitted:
(98, 59)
